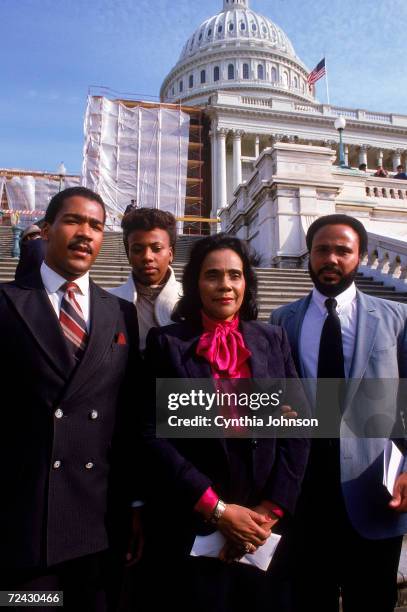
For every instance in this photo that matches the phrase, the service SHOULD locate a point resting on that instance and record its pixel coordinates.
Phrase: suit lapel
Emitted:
(366, 332)
(31, 301)
(196, 367)
(104, 311)
(258, 346)
(293, 326)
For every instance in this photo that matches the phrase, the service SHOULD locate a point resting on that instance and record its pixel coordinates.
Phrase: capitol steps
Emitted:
(276, 286)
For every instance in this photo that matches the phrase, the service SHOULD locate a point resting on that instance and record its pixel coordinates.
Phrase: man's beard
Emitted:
(334, 289)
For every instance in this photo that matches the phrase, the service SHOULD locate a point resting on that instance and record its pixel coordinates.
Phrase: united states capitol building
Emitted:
(274, 148)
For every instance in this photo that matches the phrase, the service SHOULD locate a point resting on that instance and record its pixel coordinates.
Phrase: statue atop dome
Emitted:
(234, 4)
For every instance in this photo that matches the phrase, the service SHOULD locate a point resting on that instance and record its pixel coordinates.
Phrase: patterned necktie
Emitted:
(72, 321)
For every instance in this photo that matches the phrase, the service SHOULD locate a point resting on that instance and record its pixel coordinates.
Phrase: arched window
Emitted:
(254, 27)
(191, 80)
(181, 85)
(245, 71)
(231, 72)
(273, 75)
(260, 72)
(295, 82)
(285, 78)
(231, 26)
(242, 25)
(216, 73)
(203, 76)
(172, 90)
(220, 28)
(209, 32)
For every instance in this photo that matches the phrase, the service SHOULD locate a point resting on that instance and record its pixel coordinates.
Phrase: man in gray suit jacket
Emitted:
(348, 528)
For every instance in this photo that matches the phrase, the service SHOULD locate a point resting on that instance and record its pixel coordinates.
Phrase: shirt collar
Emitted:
(52, 280)
(344, 299)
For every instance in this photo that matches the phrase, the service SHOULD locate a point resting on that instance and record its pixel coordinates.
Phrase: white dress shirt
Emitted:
(314, 321)
(53, 283)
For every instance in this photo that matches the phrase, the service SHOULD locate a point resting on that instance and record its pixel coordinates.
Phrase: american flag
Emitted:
(317, 73)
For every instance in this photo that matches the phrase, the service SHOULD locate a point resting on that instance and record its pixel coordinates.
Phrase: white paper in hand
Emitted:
(211, 545)
(392, 463)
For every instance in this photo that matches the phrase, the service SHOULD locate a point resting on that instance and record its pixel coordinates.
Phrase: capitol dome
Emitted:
(238, 50)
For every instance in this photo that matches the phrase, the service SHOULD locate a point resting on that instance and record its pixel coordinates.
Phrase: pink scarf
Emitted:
(222, 345)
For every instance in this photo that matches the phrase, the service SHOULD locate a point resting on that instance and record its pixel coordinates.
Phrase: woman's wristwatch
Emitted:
(217, 511)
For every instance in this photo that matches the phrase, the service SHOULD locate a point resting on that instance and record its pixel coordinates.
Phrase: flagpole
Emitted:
(326, 82)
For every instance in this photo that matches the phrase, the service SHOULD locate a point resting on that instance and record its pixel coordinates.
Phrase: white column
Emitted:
(396, 159)
(346, 154)
(237, 157)
(221, 192)
(380, 158)
(214, 182)
(363, 155)
(257, 147)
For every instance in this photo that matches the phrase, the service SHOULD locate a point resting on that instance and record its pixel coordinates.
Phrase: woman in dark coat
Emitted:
(243, 487)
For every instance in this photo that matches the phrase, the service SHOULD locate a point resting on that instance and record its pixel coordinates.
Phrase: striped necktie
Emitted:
(72, 321)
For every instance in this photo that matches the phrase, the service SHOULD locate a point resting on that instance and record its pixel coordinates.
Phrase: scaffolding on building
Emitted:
(197, 199)
(25, 194)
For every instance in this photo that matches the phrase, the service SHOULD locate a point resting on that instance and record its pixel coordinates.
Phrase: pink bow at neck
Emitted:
(222, 345)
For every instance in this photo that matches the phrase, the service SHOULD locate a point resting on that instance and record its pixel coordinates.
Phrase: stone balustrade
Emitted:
(386, 260)
(386, 188)
(256, 101)
(291, 185)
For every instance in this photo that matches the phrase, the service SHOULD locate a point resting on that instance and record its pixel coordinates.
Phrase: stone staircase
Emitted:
(276, 286)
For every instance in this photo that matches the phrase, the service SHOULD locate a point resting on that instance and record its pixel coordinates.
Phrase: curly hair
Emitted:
(147, 219)
(189, 306)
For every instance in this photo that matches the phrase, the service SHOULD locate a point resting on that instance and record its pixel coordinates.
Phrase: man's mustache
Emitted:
(82, 244)
(330, 269)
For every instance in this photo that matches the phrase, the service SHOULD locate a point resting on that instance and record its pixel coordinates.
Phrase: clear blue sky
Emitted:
(52, 50)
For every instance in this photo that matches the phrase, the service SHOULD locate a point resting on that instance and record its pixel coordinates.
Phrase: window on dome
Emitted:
(295, 82)
(231, 72)
(260, 72)
(220, 28)
(230, 27)
(264, 29)
(285, 78)
(242, 25)
(273, 75)
(216, 73)
(203, 76)
(200, 36)
(172, 90)
(254, 27)
(191, 80)
(209, 32)
(181, 86)
(245, 71)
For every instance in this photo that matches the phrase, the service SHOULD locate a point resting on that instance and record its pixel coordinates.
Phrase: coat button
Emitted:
(254, 444)
(59, 413)
(93, 415)
(56, 465)
(89, 465)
